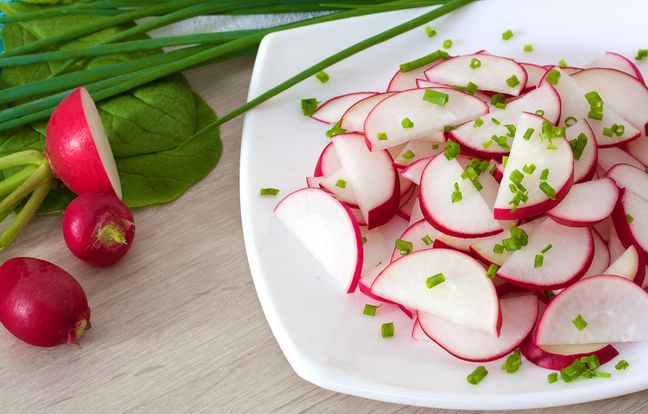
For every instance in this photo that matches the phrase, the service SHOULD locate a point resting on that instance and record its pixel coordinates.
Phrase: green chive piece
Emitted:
(435, 280)
(495, 121)
(407, 123)
(592, 361)
(408, 155)
(500, 105)
(621, 365)
(369, 310)
(387, 330)
(641, 54)
(570, 121)
(478, 122)
(498, 97)
(435, 97)
(471, 88)
(447, 44)
(364, 240)
(498, 249)
(548, 190)
(336, 130)
(562, 63)
(435, 146)
(528, 133)
(618, 129)
(452, 149)
(553, 377)
(579, 322)
(492, 271)
(475, 63)
(511, 130)
(553, 77)
(448, 128)
(425, 60)
(544, 174)
(608, 132)
(529, 169)
(487, 144)
(427, 240)
(578, 144)
(269, 192)
(513, 362)
(505, 160)
(539, 112)
(572, 371)
(340, 183)
(595, 101)
(381, 136)
(507, 35)
(309, 106)
(516, 176)
(477, 375)
(456, 194)
(430, 32)
(595, 115)
(477, 184)
(404, 246)
(513, 81)
(629, 218)
(322, 76)
(549, 294)
(539, 261)
(558, 132)
(547, 248)
(528, 48)
(600, 374)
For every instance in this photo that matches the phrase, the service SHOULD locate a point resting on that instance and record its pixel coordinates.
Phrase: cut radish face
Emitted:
(601, 259)
(587, 203)
(402, 81)
(627, 176)
(629, 265)
(406, 189)
(332, 110)
(534, 75)
(550, 163)
(603, 228)
(354, 118)
(364, 286)
(495, 74)
(609, 305)
(78, 149)
(328, 230)
(609, 157)
(416, 150)
(615, 247)
(566, 254)
(328, 162)
(485, 248)
(421, 234)
(518, 317)
(414, 171)
(581, 136)
(630, 218)
(405, 209)
(417, 214)
(466, 296)
(638, 148)
(375, 180)
(611, 60)
(424, 83)
(383, 128)
(339, 185)
(453, 205)
(476, 135)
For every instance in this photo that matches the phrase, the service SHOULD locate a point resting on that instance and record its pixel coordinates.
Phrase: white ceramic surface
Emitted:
(322, 332)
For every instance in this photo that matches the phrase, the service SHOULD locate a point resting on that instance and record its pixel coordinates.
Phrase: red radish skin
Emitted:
(98, 228)
(41, 304)
(77, 147)
(544, 359)
(328, 162)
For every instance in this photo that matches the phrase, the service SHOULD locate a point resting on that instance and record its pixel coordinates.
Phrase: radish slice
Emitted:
(570, 255)
(615, 247)
(611, 60)
(405, 210)
(467, 297)
(328, 230)
(414, 171)
(561, 356)
(417, 214)
(483, 248)
(402, 81)
(332, 110)
(429, 119)
(625, 93)
(533, 151)
(424, 83)
(493, 75)
(630, 218)
(374, 179)
(585, 165)
(415, 150)
(328, 162)
(609, 157)
(354, 118)
(406, 189)
(418, 334)
(364, 286)
(639, 149)
(339, 185)
(601, 259)
(421, 234)
(469, 217)
(629, 265)
(627, 176)
(478, 138)
(603, 228)
(518, 317)
(608, 304)
(587, 203)
(314, 182)
(534, 75)
(572, 95)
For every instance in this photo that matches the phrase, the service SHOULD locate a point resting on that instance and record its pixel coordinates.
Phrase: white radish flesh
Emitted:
(354, 118)
(629, 265)
(587, 203)
(332, 110)
(611, 60)
(416, 150)
(484, 248)
(627, 176)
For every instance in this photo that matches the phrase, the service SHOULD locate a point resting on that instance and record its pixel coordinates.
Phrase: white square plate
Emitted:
(322, 332)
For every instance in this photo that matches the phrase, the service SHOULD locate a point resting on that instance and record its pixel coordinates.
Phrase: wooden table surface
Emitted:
(177, 326)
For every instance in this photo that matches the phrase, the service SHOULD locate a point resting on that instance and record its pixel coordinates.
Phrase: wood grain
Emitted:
(177, 325)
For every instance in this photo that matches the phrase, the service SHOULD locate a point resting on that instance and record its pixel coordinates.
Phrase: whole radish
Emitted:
(42, 304)
(98, 228)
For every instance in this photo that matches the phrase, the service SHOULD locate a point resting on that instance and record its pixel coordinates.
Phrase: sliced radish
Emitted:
(406, 189)
(484, 248)
(405, 210)
(615, 247)
(375, 180)
(638, 148)
(414, 171)
(332, 110)
(629, 265)
(421, 234)
(467, 296)
(417, 214)
(585, 164)
(78, 149)
(627, 176)
(495, 74)
(601, 259)
(567, 260)
(416, 150)
(418, 334)
(402, 81)
(587, 203)
(608, 304)
(364, 286)
(609, 157)
(354, 118)
(329, 231)
(429, 119)
(559, 163)
(603, 228)
(314, 182)
(534, 75)
(564, 355)
(498, 172)
(630, 218)
(424, 83)
(471, 216)
(518, 317)
(339, 185)
(328, 162)
(616, 61)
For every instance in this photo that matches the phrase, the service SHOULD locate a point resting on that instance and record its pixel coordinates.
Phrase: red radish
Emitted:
(609, 157)
(328, 229)
(414, 171)
(603, 228)
(615, 247)
(585, 164)
(406, 188)
(630, 265)
(339, 185)
(498, 172)
(534, 75)
(639, 149)
(632, 178)
(421, 234)
(354, 118)
(78, 149)
(314, 182)
(416, 150)
(630, 218)
(41, 304)
(98, 228)
(586, 204)
(518, 318)
(364, 286)
(328, 162)
(556, 361)
(611, 60)
(402, 81)
(484, 248)
(332, 110)
(405, 211)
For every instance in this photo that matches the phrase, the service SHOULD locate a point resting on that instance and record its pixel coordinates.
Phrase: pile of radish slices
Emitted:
(522, 195)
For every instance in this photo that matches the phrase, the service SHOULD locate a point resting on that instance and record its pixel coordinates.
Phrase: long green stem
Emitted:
(27, 157)
(43, 173)
(12, 182)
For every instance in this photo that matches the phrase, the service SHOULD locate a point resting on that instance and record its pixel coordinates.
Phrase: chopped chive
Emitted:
(382, 136)
(548, 190)
(435, 146)
(322, 76)
(487, 144)
(511, 244)
(435, 97)
(529, 169)
(475, 63)
(309, 106)
(547, 248)
(595, 115)
(538, 261)
(430, 32)
(601, 374)
(539, 112)
(591, 361)
(513, 362)
(387, 330)
(507, 35)
(608, 132)
(578, 144)
(553, 377)
(618, 129)
(408, 155)
(469, 173)
(498, 249)
(528, 133)
(456, 194)
(407, 123)
(336, 130)
(516, 176)
(553, 77)
(448, 128)
(478, 122)
(452, 149)
(422, 61)
(369, 310)
(477, 375)
(562, 63)
(621, 365)
(364, 240)
(505, 160)
(502, 141)
(340, 183)
(477, 184)
(471, 88)
(404, 246)
(269, 192)
(495, 121)
(427, 240)
(447, 44)
(544, 174)
(595, 101)
(558, 132)
(629, 218)
(492, 271)
(511, 130)
(435, 280)
(570, 121)
(528, 48)
(500, 105)
(572, 371)
(579, 322)
(641, 54)
(547, 129)
(549, 294)
(498, 97)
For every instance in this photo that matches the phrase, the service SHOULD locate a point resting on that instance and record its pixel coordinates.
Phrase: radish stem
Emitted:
(28, 157)
(12, 182)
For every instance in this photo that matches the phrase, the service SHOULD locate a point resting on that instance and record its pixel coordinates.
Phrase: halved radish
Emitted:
(329, 231)
(518, 317)
(603, 228)
(638, 149)
(630, 218)
(601, 259)
(367, 279)
(332, 110)
(476, 135)
(629, 265)
(402, 81)
(609, 306)
(339, 185)
(484, 248)
(587, 203)
(78, 149)
(328, 162)
(534, 75)
(405, 209)
(585, 161)
(467, 296)
(421, 234)
(424, 83)
(615, 247)
(383, 128)
(354, 118)
(609, 157)
(627, 176)
(498, 172)
(414, 171)
(375, 180)
(616, 61)
(563, 356)
(417, 214)
(494, 74)
(415, 150)
(534, 151)
(566, 252)
(452, 204)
